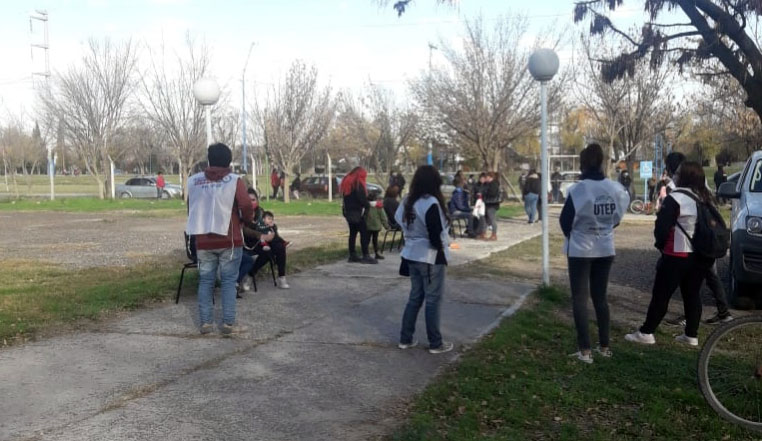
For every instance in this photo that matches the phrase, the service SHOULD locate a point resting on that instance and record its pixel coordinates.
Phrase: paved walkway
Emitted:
(319, 362)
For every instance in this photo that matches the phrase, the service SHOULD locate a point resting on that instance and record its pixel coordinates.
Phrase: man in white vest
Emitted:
(217, 204)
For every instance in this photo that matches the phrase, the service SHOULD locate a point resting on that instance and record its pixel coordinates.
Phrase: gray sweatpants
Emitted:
(589, 277)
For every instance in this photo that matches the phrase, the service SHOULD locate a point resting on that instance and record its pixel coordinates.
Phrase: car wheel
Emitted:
(738, 295)
(166, 195)
(125, 195)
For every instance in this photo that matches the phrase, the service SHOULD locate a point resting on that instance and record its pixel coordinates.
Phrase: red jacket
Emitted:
(160, 182)
(241, 211)
(275, 180)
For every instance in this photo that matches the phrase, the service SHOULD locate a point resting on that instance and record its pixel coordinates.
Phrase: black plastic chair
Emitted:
(190, 251)
(394, 232)
(272, 271)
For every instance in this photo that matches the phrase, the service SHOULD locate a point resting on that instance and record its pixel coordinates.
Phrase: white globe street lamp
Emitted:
(207, 92)
(543, 65)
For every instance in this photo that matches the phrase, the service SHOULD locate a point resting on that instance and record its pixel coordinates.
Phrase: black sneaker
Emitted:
(679, 321)
(368, 260)
(379, 257)
(353, 258)
(717, 319)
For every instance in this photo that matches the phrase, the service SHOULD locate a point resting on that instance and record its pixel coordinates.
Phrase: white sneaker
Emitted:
(584, 358)
(446, 347)
(604, 352)
(691, 341)
(412, 344)
(282, 284)
(246, 284)
(639, 337)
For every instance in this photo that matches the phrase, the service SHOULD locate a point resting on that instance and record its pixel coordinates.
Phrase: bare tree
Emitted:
(485, 97)
(169, 103)
(381, 127)
(631, 110)
(16, 143)
(93, 96)
(723, 31)
(295, 117)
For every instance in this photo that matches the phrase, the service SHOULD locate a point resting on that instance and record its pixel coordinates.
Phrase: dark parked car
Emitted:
(746, 230)
(317, 186)
(145, 187)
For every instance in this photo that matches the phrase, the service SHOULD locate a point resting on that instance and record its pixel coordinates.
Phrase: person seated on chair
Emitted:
(253, 239)
(391, 202)
(459, 208)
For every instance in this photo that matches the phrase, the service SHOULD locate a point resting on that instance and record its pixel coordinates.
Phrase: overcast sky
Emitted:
(351, 42)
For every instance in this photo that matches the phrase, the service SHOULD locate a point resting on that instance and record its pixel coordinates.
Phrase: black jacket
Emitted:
(533, 184)
(390, 207)
(356, 202)
(492, 194)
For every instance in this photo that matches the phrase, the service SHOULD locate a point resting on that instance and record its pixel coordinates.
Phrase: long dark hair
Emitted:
(690, 175)
(426, 181)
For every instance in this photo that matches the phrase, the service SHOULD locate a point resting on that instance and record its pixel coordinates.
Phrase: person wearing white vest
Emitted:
(423, 218)
(678, 265)
(217, 203)
(594, 207)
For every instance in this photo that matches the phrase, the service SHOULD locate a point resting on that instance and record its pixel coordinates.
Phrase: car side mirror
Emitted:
(728, 190)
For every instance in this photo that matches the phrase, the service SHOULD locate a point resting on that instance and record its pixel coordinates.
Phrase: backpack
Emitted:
(711, 239)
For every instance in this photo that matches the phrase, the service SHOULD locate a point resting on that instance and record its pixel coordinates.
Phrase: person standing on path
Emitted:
(355, 209)
(375, 221)
(678, 265)
(275, 182)
(492, 201)
(555, 183)
(594, 207)
(217, 205)
(531, 194)
(160, 184)
(425, 226)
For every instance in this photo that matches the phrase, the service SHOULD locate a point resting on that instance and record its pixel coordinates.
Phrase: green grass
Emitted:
(38, 297)
(519, 384)
(304, 207)
(510, 210)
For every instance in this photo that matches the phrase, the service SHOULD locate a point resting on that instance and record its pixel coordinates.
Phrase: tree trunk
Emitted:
(286, 192)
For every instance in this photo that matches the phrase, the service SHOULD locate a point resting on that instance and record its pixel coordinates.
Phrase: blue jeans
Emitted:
(247, 263)
(530, 205)
(427, 282)
(229, 261)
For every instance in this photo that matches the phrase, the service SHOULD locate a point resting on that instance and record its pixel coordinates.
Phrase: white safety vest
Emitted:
(210, 204)
(686, 219)
(598, 206)
(417, 245)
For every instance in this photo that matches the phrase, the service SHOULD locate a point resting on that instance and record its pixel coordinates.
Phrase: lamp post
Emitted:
(430, 155)
(207, 92)
(243, 109)
(543, 65)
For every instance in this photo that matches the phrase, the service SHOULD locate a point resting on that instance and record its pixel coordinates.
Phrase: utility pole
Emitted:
(243, 109)
(41, 16)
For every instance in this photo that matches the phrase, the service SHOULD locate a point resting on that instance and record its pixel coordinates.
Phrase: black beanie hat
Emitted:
(219, 155)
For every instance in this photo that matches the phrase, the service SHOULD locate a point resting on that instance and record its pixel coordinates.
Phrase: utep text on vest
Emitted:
(210, 204)
(598, 206)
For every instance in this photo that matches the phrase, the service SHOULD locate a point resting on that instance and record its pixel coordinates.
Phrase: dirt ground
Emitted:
(81, 240)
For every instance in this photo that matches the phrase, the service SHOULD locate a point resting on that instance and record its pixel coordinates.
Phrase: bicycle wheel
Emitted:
(637, 206)
(730, 371)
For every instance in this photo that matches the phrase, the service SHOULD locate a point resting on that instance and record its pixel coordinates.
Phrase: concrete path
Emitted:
(319, 361)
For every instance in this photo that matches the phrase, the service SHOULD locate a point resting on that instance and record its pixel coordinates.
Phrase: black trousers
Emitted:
(374, 238)
(589, 278)
(361, 228)
(275, 191)
(671, 273)
(714, 284)
(277, 251)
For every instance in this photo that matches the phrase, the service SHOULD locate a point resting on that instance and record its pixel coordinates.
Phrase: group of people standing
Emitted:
(594, 208)
(477, 201)
(278, 182)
